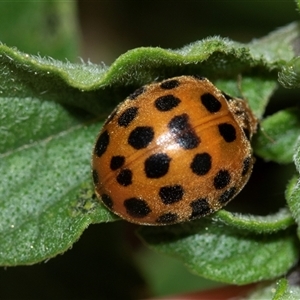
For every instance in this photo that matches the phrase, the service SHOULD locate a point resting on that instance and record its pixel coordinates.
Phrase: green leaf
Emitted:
(46, 200)
(256, 224)
(266, 291)
(51, 115)
(222, 253)
(296, 156)
(293, 190)
(289, 76)
(276, 139)
(277, 47)
(280, 290)
(292, 196)
(247, 88)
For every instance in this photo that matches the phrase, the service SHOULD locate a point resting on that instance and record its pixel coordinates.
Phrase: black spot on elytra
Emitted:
(102, 144)
(167, 218)
(137, 93)
(170, 84)
(227, 97)
(200, 207)
(246, 165)
(227, 195)
(201, 163)
(117, 162)
(238, 112)
(141, 137)
(185, 135)
(157, 165)
(199, 77)
(127, 116)
(166, 103)
(125, 177)
(107, 200)
(247, 133)
(227, 131)
(95, 177)
(171, 194)
(137, 208)
(210, 102)
(222, 179)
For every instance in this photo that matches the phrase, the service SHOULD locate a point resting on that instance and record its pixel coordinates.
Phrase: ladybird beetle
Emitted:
(173, 151)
